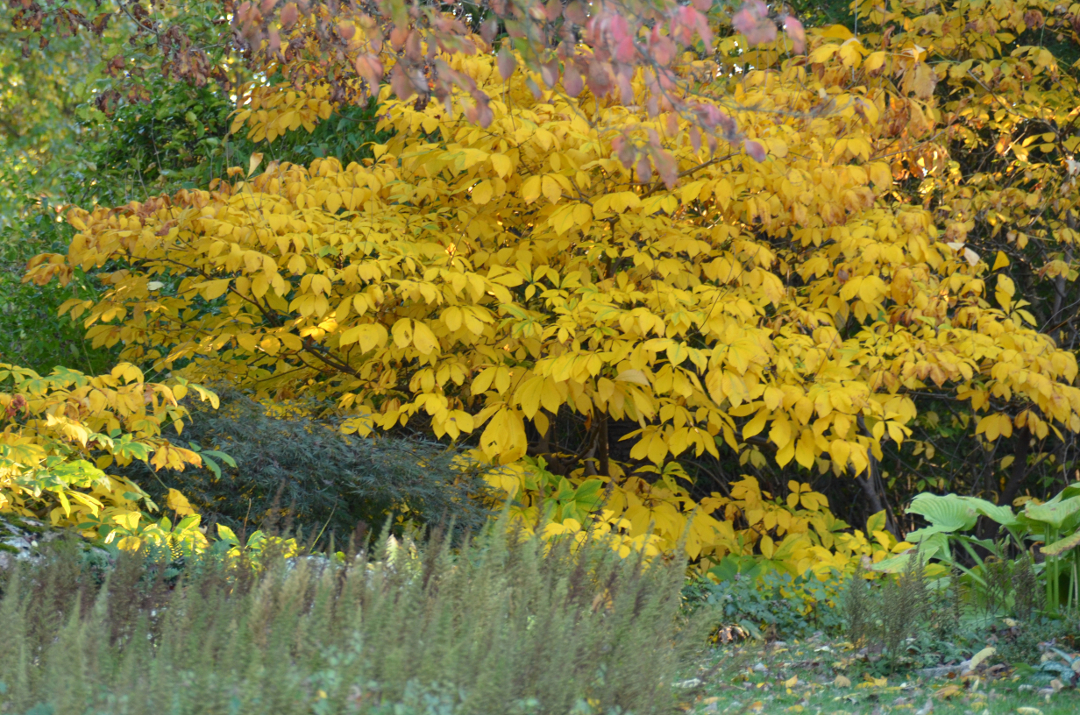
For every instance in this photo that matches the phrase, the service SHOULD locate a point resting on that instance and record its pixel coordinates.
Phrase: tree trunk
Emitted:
(874, 487)
(1019, 467)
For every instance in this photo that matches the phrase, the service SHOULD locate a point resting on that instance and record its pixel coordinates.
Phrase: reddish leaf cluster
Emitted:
(597, 46)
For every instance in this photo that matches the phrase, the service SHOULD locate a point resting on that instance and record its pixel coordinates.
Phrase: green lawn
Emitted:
(818, 677)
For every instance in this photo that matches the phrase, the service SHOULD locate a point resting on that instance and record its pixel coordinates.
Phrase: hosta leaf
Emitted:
(1062, 545)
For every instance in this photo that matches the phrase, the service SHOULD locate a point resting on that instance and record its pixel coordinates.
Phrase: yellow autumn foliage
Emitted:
(483, 283)
(60, 433)
(796, 534)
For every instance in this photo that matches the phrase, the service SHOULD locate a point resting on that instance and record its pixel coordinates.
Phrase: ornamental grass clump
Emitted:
(500, 624)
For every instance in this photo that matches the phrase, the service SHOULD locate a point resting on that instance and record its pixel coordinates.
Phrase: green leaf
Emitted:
(1053, 512)
(936, 545)
(947, 513)
(212, 466)
(134, 450)
(589, 494)
(1062, 545)
(222, 456)
(227, 535)
(1003, 515)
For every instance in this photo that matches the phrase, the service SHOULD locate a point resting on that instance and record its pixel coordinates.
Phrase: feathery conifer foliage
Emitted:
(294, 468)
(501, 625)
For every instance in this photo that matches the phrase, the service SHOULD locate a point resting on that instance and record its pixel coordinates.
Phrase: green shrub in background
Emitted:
(31, 334)
(176, 139)
(497, 626)
(297, 471)
(180, 138)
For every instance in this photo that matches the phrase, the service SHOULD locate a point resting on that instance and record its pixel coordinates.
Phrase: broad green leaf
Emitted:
(946, 513)
(227, 535)
(1053, 512)
(1062, 545)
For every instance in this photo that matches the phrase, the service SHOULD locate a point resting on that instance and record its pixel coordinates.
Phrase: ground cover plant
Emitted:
(924, 640)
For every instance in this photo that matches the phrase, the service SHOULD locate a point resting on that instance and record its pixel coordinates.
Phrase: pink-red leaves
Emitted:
(506, 63)
(400, 83)
(753, 21)
(369, 67)
(755, 150)
(289, 13)
(549, 72)
(796, 33)
(572, 81)
(575, 13)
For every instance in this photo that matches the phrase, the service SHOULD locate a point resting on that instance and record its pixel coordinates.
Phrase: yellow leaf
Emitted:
(530, 189)
(1001, 261)
(530, 394)
(248, 342)
(922, 81)
(403, 333)
(129, 543)
(452, 317)
(501, 164)
(755, 425)
(874, 61)
(635, 376)
(804, 452)
(424, 340)
(780, 434)
(823, 53)
(254, 161)
(980, 657)
(270, 345)
(179, 503)
(214, 289)
(127, 519)
(836, 32)
(881, 175)
(551, 189)
(481, 193)
(851, 53)
(367, 336)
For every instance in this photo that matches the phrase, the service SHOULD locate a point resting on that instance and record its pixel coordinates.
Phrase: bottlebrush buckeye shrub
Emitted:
(61, 432)
(795, 534)
(799, 293)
